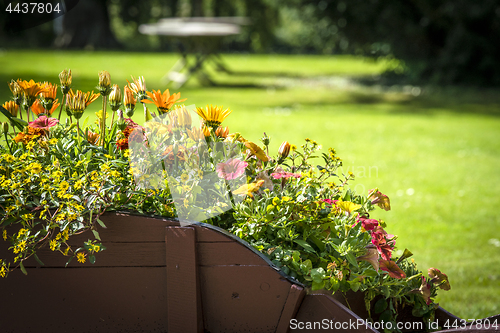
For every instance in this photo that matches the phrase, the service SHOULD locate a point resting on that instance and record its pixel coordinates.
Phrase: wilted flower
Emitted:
(379, 199)
(392, 268)
(371, 256)
(16, 91)
(12, 107)
(424, 290)
(232, 169)
(438, 278)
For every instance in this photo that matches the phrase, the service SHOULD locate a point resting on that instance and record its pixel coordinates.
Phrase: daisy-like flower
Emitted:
(39, 109)
(43, 122)
(90, 96)
(138, 87)
(12, 107)
(50, 91)
(392, 268)
(163, 101)
(232, 169)
(180, 117)
(76, 103)
(80, 256)
(213, 116)
(31, 90)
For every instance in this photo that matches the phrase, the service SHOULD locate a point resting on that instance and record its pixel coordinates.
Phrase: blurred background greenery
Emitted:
(405, 91)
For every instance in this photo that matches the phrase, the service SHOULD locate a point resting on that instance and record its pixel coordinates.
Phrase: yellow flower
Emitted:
(20, 247)
(99, 114)
(257, 151)
(347, 206)
(35, 167)
(65, 78)
(104, 83)
(184, 177)
(80, 256)
(163, 101)
(115, 97)
(53, 245)
(31, 90)
(248, 189)
(4, 234)
(213, 116)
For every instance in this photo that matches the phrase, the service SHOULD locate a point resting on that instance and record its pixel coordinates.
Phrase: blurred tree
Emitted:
(88, 25)
(445, 41)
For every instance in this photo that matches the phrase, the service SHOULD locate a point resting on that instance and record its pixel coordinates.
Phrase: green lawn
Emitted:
(436, 154)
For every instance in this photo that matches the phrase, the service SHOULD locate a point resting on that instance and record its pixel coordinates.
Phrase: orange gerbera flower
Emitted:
(163, 101)
(50, 91)
(31, 89)
(90, 97)
(38, 108)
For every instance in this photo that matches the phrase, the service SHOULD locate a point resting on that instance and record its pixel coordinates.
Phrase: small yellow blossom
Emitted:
(81, 257)
(53, 245)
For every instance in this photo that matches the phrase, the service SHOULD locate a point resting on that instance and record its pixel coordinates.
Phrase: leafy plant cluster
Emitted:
(295, 206)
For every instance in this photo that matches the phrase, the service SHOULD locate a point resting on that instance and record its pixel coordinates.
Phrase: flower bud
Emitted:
(104, 83)
(65, 78)
(5, 127)
(222, 132)
(12, 107)
(284, 150)
(128, 101)
(115, 98)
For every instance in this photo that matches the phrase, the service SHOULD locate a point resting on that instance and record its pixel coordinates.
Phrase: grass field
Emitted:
(434, 151)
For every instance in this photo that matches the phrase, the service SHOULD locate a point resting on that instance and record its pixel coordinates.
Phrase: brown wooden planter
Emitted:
(157, 275)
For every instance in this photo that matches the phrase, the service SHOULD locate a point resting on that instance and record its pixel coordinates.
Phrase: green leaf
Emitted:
(355, 284)
(19, 123)
(67, 262)
(101, 223)
(38, 259)
(352, 260)
(22, 268)
(96, 234)
(92, 259)
(318, 274)
(318, 285)
(380, 305)
(305, 245)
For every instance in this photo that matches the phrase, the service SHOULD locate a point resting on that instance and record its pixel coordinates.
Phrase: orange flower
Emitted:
(50, 91)
(31, 90)
(12, 107)
(379, 199)
(90, 97)
(222, 132)
(122, 144)
(92, 137)
(392, 268)
(213, 116)
(163, 101)
(38, 108)
(128, 97)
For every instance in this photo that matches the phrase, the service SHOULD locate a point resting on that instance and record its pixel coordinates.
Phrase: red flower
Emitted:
(383, 241)
(122, 144)
(392, 268)
(43, 122)
(368, 224)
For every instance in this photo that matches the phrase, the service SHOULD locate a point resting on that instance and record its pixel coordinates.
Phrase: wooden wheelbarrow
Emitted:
(159, 276)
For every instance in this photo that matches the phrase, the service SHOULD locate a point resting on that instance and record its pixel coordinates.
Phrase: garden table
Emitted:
(199, 41)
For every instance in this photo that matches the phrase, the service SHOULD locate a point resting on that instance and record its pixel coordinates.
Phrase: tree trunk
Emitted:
(87, 26)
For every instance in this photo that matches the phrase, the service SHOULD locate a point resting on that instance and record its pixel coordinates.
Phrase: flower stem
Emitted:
(7, 142)
(61, 108)
(103, 122)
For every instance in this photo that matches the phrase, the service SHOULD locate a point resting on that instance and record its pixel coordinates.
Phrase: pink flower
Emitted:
(286, 175)
(232, 169)
(383, 241)
(43, 122)
(368, 224)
